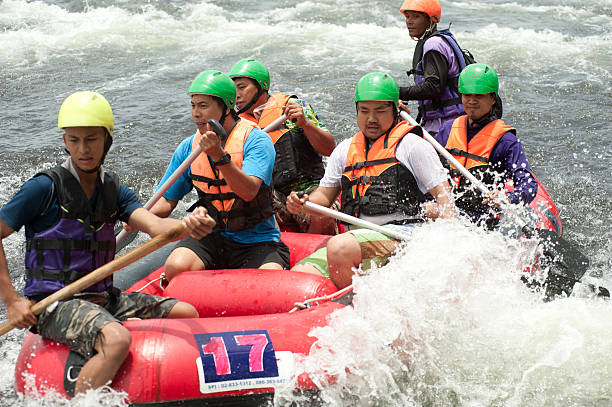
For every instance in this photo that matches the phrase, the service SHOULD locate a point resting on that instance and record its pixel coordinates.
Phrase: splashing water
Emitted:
(448, 322)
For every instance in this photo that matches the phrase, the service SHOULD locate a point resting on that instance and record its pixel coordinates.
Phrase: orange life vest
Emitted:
(374, 182)
(230, 211)
(476, 153)
(249, 117)
(474, 156)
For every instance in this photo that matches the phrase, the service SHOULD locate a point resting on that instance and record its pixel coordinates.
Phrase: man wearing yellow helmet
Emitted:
(69, 213)
(383, 172)
(232, 177)
(300, 141)
(436, 64)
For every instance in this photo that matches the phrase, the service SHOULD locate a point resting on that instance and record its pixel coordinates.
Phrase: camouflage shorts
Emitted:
(78, 321)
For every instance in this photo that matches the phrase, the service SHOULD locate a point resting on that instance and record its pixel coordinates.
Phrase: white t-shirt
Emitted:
(413, 152)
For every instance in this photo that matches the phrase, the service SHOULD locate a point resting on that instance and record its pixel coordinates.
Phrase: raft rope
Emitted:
(161, 279)
(306, 304)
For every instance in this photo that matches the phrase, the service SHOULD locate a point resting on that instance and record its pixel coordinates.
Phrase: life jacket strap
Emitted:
(212, 182)
(68, 244)
(363, 164)
(436, 104)
(461, 153)
(65, 276)
(363, 180)
(205, 199)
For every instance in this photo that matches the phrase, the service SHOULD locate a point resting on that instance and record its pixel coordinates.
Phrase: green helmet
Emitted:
(478, 78)
(377, 86)
(215, 83)
(86, 109)
(251, 68)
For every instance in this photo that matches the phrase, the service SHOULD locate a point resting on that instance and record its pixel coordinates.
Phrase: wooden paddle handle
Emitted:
(101, 273)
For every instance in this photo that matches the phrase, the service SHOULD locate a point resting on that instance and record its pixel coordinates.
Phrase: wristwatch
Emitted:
(226, 159)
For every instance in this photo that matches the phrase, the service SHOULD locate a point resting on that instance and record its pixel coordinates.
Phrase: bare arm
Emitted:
(198, 224)
(324, 196)
(17, 308)
(244, 185)
(163, 207)
(444, 207)
(321, 140)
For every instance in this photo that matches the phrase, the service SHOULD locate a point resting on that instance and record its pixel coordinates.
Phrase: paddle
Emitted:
(124, 238)
(568, 265)
(102, 272)
(322, 210)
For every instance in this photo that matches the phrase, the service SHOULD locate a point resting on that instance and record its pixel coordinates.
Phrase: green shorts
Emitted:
(375, 247)
(78, 321)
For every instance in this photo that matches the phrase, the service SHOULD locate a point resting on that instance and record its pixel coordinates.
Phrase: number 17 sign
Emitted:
(236, 360)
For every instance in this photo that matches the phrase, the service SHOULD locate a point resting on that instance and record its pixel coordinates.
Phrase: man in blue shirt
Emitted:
(485, 145)
(69, 213)
(232, 177)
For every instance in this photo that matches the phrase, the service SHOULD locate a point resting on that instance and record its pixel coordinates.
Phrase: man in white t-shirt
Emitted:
(384, 173)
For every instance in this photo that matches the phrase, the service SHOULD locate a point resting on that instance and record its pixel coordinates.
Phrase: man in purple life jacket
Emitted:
(69, 213)
(436, 64)
(485, 146)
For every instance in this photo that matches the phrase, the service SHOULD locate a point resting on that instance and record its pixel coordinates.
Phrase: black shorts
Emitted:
(218, 252)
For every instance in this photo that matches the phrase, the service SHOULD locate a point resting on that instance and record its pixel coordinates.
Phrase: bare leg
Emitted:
(322, 225)
(112, 345)
(343, 254)
(306, 268)
(182, 259)
(183, 310)
(271, 266)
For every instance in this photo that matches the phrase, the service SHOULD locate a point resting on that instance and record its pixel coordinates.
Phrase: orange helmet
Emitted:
(429, 7)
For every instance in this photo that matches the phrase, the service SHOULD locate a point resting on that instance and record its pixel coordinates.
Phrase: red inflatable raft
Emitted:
(243, 345)
(244, 342)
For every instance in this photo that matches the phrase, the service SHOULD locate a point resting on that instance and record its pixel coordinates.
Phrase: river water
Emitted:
(477, 336)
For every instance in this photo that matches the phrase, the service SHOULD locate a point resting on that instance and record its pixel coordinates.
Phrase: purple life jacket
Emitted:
(448, 105)
(82, 240)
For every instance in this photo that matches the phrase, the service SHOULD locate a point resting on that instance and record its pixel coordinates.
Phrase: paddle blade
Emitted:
(566, 264)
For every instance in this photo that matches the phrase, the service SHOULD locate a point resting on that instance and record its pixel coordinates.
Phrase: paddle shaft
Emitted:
(274, 124)
(482, 187)
(102, 272)
(322, 210)
(181, 169)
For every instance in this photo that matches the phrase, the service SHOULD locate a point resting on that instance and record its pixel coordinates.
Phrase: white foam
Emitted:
(449, 321)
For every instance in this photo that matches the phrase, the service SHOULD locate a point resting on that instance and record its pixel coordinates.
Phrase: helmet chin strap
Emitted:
(488, 117)
(224, 115)
(252, 101)
(484, 119)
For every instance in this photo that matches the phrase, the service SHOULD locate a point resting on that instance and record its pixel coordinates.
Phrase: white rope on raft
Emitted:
(305, 304)
(161, 277)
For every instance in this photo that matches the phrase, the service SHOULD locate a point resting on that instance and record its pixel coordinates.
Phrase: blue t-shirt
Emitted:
(258, 161)
(35, 206)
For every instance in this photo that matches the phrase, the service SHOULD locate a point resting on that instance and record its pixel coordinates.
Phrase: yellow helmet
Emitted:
(86, 109)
